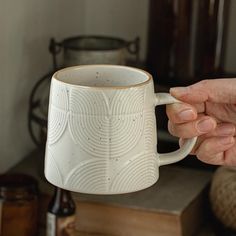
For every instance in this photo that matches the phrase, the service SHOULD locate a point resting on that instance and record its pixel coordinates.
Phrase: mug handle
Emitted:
(182, 152)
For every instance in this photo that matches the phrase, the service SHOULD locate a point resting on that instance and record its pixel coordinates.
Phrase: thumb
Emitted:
(215, 90)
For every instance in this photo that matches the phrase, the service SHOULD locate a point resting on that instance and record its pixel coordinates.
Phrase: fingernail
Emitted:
(179, 90)
(186, 115)
(227, 140)
(204, 126)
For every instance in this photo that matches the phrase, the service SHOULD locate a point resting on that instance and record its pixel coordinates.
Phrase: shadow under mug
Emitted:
(102, 130)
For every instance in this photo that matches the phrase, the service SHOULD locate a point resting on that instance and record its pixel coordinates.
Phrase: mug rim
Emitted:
(149, 76)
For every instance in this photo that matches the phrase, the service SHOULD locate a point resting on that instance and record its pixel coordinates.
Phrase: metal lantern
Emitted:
(83, 50)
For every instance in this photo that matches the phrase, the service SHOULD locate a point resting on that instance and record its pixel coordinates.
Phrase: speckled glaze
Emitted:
(102, 130)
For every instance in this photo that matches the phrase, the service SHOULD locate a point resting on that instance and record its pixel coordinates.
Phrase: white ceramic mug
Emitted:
(102, 130)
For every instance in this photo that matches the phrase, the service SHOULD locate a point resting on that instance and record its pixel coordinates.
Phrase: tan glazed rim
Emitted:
(148, 76)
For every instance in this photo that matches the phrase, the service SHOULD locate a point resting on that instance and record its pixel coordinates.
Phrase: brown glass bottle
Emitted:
(18, 205)
(61, 214)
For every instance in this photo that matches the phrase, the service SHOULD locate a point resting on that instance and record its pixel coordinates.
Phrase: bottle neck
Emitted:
(62, 203)
(61, 195)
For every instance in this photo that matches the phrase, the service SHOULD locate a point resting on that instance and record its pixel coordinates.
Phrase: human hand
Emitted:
(211, 116)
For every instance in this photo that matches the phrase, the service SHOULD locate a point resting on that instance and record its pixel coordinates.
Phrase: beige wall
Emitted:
(25, 29)
(126, 19)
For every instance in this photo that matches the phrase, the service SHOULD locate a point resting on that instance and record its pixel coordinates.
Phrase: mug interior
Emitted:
(103, 76)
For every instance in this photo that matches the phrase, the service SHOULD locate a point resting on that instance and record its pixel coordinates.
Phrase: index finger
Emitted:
(215, 90)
